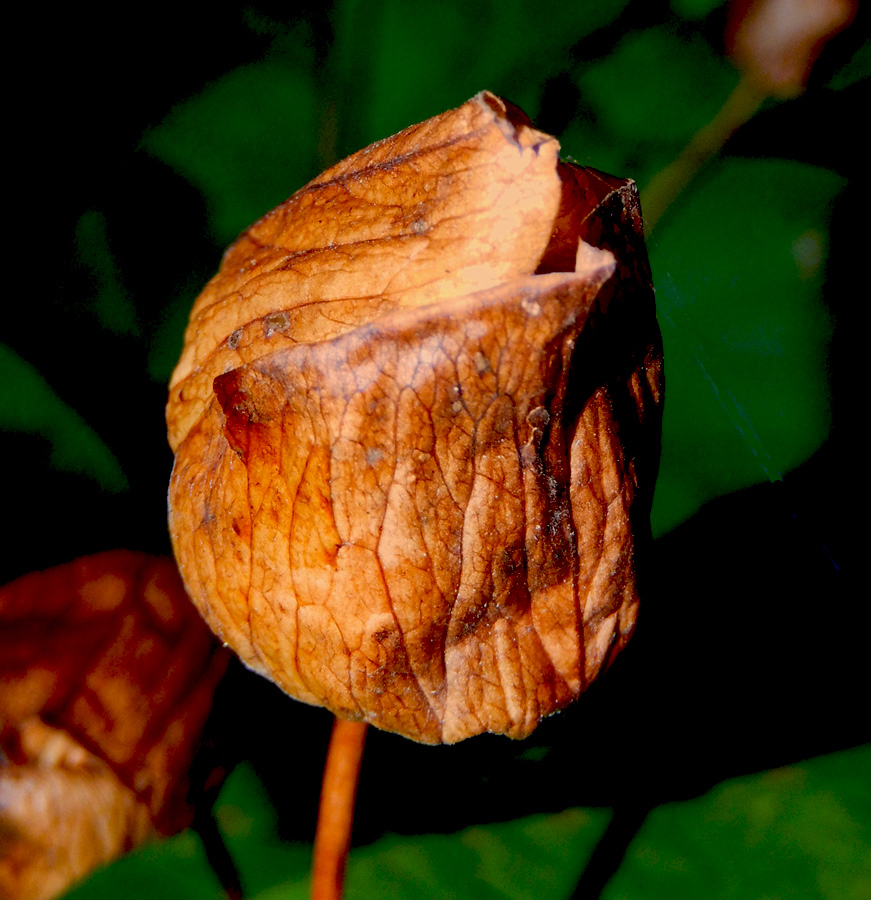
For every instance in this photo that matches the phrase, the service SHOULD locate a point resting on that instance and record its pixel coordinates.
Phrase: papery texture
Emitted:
(416, 424)
(107, 676)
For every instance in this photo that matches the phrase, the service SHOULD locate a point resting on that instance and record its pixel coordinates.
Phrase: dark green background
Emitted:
(716, 755)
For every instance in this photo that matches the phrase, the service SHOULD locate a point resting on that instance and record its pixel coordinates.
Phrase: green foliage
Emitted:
(530, 858)
(29, 405)
(110, 304)
(796, 832)
(855, 70)
(493, 44)
(799, 832)
(649, 96)
(739, 267)
(242, 139)
(695, 9)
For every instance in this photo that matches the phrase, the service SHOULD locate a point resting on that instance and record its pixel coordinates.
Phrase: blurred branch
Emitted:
(667, 184)
(217, 854)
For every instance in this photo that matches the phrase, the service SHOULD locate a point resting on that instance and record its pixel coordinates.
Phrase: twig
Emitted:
(336, 811)
(217, 854)
(665, 186)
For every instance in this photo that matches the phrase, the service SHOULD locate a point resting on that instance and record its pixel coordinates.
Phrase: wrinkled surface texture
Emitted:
(106, 679)
(416, 424)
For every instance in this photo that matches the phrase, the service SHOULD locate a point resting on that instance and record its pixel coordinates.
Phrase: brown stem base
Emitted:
(336, 811)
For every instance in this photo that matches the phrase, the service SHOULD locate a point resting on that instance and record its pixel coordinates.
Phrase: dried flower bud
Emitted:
(106, 679)
(776, 42)
(416, 424)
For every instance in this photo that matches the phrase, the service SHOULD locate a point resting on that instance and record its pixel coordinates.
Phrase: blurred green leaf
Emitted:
(772, 834)
(110, 302)
(530, 858)
(508, 46)
(248, 822)
(797, 833)
(169, 869)
(647, 98)
(739, 266)
(695, 9)
(247, 141)
(857, 68)
(29, 405)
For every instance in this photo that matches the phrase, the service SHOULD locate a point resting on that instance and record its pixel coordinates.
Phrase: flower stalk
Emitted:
(336, 810)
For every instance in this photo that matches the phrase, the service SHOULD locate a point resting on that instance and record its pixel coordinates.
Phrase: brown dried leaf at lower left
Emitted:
(107, 676)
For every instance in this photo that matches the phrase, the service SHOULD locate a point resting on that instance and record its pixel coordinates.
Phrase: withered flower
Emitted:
(777, 42)
(416, 423)
(106, 680)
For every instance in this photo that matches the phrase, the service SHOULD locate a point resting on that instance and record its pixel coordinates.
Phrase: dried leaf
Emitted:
(416, 424)
(106, 678)
(777, 42)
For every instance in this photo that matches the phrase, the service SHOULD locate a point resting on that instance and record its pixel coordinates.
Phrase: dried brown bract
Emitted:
(416, 424)
(107, 676)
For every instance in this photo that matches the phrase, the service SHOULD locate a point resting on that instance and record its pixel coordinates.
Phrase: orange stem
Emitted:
(336, 811)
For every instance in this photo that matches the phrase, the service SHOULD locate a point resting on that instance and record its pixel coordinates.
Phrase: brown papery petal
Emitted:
(107, 675)
(463, 201)
(63, 812)
(416, 424)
